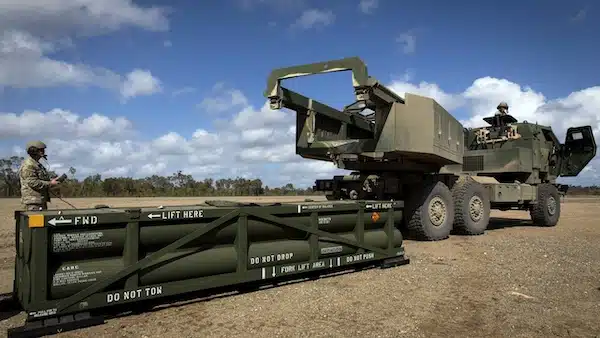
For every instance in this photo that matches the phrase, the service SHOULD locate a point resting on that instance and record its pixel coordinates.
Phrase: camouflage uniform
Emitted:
(502, 109)
(35, 182)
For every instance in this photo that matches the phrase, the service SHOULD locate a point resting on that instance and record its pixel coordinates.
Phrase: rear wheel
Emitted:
(546, 210)
(430, 211)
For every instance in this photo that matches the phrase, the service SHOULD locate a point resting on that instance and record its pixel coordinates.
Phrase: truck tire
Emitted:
(430, 211)
(471, 207)
(546, 210)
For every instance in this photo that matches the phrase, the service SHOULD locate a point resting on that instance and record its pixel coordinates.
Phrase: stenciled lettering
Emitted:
(86, 220)
(115, 297)
(299, 267)
(43, 313)
(70, 267)
(383, 205)
(303, 266)
(319, 264)
(360, 257)
(193, 213)
(317, 206)
(271, 258)
(170, 214)
(176, 214)
(65, 242)
(332, 262)
(288, 268)
(331, 249)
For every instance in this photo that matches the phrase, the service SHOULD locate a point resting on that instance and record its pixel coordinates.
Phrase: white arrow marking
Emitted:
(55, 221)
(152, 216)
(273, 271)
(369, 206)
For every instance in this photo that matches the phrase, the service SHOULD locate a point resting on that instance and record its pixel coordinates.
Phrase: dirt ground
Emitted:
(515, 281)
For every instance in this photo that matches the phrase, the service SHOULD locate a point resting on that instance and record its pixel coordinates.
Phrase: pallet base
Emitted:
(393, 262)
(55, 325)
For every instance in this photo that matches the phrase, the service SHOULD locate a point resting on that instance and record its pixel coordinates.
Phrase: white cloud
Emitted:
(23, 44)
(367, 6)
(24, 64)
(408, 40)
(140, 82)
(259, 142)
(60, 18)
(485, 93)
(448, 101)
(246, 143)
(61, 123)
(312, 18)
(222, 99)
(34, 30)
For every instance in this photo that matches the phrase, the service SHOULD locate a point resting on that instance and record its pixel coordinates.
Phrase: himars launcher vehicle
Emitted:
(412, 149)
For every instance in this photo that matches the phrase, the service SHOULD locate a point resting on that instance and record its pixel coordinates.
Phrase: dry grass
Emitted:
(514, 281)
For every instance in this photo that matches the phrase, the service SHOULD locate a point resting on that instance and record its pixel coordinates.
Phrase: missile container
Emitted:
(73, 263)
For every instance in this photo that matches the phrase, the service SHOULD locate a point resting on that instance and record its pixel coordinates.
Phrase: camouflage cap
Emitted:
(36, 144)
(502, 105)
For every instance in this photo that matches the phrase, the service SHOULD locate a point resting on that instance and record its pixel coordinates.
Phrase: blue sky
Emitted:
(467, 54)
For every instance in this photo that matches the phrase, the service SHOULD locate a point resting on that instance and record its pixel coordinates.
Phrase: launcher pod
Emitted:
(73, 265)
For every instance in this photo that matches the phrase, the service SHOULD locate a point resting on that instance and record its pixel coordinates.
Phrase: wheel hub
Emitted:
(551, 205)
(437, 211)
(475, 208)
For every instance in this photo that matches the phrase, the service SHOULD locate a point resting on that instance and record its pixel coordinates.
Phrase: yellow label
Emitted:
(36, 221)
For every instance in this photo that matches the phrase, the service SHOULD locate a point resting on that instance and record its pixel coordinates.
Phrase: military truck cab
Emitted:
(517, 164)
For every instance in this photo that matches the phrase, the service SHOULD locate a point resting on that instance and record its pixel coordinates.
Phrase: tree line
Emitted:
(176, 185)
(577, 190)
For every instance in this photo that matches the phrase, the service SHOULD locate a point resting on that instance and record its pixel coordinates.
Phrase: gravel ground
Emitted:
(514, 281)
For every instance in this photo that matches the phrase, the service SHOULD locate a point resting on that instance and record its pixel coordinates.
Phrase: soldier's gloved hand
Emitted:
(54, 181)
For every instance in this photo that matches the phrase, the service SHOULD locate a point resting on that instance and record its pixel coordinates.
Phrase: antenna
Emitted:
(61, 179)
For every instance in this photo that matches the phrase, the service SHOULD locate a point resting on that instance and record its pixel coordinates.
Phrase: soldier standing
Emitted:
(502, 108)
(35, 180)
